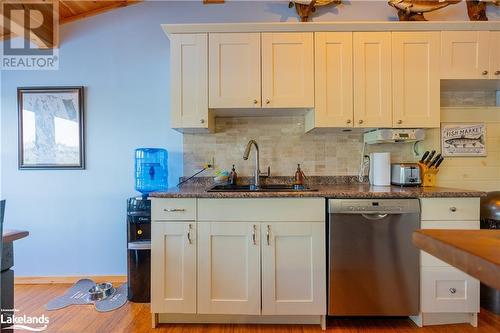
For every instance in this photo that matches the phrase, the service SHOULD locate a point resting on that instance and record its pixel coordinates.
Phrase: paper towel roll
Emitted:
(380, 169)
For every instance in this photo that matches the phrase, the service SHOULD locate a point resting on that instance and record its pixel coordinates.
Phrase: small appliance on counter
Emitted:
(380, 169)
(405, 174)
(139, 249)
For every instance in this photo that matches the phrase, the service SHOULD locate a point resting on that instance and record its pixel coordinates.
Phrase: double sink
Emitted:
(262, 188)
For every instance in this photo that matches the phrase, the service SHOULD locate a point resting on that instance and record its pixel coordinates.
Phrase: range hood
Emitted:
(394, 135)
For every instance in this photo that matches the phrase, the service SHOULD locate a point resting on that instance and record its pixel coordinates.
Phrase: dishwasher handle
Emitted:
(375, 216)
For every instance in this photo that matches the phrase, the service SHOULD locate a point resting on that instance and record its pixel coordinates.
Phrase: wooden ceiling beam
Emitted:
(100, 10)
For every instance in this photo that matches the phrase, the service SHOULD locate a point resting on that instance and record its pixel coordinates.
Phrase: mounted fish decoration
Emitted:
(305, 8)
(413, 10)
(477, 9)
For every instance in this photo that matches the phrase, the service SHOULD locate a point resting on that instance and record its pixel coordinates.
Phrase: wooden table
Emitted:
(475, 252)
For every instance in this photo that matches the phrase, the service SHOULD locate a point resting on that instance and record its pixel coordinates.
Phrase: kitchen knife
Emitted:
(424, 156)
(429, 159)
(441, 159)
(434, 161)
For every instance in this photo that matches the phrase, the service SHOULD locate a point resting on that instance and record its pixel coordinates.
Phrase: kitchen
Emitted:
(315, 122)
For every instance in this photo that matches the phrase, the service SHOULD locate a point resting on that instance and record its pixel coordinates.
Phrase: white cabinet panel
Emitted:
(288, 70)
(333, 79)
(415, 79)
(372, 79)
(293, 269)
(228, 268)
(189, 81)
(495, 55)
(173, 267)
(436, 209)
(178, 209)
(234, 76)
(465, 54)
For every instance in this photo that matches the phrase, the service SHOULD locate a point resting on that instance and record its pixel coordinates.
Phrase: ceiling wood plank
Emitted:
(98, 10)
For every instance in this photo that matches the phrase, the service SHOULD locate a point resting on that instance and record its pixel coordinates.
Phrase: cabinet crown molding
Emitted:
(331, 26)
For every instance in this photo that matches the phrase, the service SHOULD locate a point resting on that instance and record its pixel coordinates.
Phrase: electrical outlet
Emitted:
(210, 164)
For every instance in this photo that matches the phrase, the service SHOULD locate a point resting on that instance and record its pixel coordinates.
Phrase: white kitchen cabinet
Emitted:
(173, 267)
(234, 70)
(415, 79)
(228, 268)
(333, 79)
(465, 54)
(189, 82)
(495, 55)
(288, 70)
(372, 79)
(293, 268)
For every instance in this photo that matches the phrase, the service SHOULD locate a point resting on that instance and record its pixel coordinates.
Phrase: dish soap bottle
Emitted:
(299, 176)
(233, 176)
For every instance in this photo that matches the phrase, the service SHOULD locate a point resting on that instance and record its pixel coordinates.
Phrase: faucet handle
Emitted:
(267, 174)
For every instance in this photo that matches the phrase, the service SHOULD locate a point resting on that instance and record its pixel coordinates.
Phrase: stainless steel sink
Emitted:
(262, 188)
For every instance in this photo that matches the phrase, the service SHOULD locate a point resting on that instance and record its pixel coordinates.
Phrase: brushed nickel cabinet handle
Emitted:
(453, 290)
(202, 121)
(453, 209)
(189, 234)
(173, 210)
(268, 235)
(497, 73)
(254, 230)
(485, 73)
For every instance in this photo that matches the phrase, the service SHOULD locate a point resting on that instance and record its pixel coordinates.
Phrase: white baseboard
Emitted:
(68, 279)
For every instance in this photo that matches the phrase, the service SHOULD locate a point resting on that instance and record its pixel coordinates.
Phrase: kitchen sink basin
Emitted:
(262, 188)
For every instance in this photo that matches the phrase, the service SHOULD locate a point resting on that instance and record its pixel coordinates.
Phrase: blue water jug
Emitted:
(151, 173)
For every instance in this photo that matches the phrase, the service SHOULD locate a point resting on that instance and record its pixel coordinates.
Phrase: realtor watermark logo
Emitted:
(9, 320)
(30, 35)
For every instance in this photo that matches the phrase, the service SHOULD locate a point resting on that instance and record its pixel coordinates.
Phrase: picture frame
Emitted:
(51, 129)
(463, 139)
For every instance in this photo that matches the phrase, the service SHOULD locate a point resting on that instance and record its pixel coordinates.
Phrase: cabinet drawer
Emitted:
(446, 289)
(173, 209)
(450, 209)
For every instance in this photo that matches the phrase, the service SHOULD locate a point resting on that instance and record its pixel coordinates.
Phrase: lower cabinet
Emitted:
(228, 268)
(173, 267)
(293, 268)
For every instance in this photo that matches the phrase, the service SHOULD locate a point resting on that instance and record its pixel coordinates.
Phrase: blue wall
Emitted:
(77, 218)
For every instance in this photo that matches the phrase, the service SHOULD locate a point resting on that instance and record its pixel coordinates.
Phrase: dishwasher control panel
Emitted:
(373, 206)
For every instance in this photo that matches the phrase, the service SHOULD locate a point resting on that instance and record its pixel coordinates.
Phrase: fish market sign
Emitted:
(463, 139)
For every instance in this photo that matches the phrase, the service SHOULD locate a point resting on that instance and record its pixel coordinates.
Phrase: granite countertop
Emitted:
(358, 190)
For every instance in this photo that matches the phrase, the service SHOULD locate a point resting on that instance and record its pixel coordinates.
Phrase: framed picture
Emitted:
(463, 139)
(51, 128)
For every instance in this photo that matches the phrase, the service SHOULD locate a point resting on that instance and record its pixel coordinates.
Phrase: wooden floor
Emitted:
(132, 317)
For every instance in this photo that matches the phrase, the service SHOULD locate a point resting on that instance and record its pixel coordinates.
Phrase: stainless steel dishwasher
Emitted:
(373, 265)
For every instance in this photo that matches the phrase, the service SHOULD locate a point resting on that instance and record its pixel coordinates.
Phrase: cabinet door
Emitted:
(234, 70)
(465, 54)
(189, 81)
(333, 79)
(229, 268)
(293, 268)
(288, 70)
(495, 55)
(372, 79)
(173, 267)
(415, 79)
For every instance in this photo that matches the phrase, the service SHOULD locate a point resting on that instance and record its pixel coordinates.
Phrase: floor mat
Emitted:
(78, 295)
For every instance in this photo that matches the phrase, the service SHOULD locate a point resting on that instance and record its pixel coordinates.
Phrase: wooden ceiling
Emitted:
(69, 11)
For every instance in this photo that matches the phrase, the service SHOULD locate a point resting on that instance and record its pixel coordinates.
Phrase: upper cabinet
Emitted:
(333, 79)
(234, 70)
(372, 79)
(465, 54)
(495, 55)
(288, 70)
(189, 82)
(415, 79)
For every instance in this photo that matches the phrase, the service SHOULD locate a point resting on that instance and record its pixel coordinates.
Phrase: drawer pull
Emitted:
(173, 210)
(254, 230)
(453, 290)
(268, 234)
(453, 209)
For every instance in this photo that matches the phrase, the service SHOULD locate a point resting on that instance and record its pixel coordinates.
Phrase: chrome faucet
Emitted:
(257, 169)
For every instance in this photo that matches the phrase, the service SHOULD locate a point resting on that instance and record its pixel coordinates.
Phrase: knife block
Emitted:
(428, 175)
